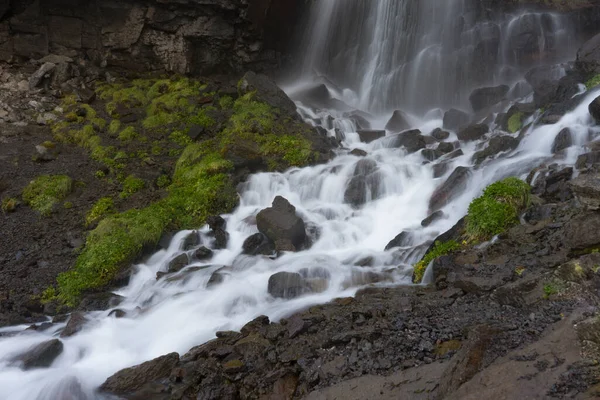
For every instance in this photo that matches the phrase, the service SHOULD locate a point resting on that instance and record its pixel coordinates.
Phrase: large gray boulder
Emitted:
(364, 184)
(287, 285)
(483, 98)
(594, 109)
(42, 355)
(129, 380)
(473, 132)
(411, 140)
(280, 224)
(455, 119)
(450, 189)
(496, 145)
(398, 122)
(588, 56)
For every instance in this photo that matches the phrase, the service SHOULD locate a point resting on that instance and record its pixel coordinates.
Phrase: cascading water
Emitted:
(179, 311)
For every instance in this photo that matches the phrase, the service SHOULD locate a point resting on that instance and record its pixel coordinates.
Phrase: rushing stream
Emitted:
(178, 312)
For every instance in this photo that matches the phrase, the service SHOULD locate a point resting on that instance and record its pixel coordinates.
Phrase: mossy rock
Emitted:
(43, 193)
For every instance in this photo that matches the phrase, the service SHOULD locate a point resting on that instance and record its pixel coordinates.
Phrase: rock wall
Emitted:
(184, 36)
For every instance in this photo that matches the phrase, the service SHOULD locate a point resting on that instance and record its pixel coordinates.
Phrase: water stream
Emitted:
(178, 311)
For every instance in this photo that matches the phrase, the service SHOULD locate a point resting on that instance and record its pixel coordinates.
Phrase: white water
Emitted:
(176, 314)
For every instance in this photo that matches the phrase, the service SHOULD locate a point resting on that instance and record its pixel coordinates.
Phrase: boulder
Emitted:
(455, 119)
(129, 380)
(440, 134)
(398, 122)
(520, 90)
(359, 120)
(483, 98)
(431, 154)
(436, 216)
(320, 97)
(588, 160)
(544, 81)
(473, 132)
(445, 147)
(178, 263)
(594, 109)
(358, 153)
(450, 189)
(588, 56)
(403, 239)
(364, 184)
(267, 91)
(496, 145)
(562, 141)
(42, 355)
(216, 222)
(42, 73)
(203, 253)
(258, 244)
(367, 136)
(586, 188)
(191, 240)
(582, 232)
(281, 222)
(216, 278)
(411, 140)
(75, 324)
(287, 285)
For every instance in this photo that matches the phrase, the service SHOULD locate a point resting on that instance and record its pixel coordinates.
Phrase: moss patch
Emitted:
(497, 209)
(515, 122)
(8, 205)
(103, 207)
(439, 249)
(46, 191)
(593, 82)
(131, 185)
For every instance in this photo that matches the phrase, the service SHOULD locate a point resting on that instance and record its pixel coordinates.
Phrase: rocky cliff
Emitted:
(184, 36)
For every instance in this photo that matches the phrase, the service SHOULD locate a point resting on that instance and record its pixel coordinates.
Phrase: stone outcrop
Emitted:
(185, 36)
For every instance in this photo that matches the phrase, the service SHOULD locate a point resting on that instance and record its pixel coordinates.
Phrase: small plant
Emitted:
(131, 185)
(520, 271)
(114, 127)
(225, 102)
(497, 209)
(593, 82)
(49, 145)
(100, 174)
(163, 181)
(68, 205)
(100, 209)
(128, 134)
(45, 191)
(9, 205)
(439, 249)
(515, 122)
(549, 290)
(48, 295)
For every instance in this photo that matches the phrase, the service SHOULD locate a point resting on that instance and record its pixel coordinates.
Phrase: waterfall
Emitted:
(419, 55)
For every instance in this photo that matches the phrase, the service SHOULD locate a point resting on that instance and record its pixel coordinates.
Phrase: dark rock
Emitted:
(268, 92)
(216, 278)
(496, 145)
(514, 294)
(586, 188)
(75, 324)
(320, 97)
(398, 122)
(588, 56)
(544, 81)
(192, 240)
(42, 73)
(258, 244)
(455, 119)
(431, 155)
(358, 153)
(42, 355)
(450, 189)
(281, 222)
(117, 313)
(473, 132)
(445, 147)
(411, 140)
(594, 109)
(456, 153)
(287, 285)
(165, 240)
(178, 263)
(364, 185)
(221, 238)
(563, 140)
(440, 169)
(196, 131)
(132, 379)
(589, 330)
(588, 160)
(367, 136)
(582, 232)
(216, 222)
(403, 239)
(99, 301)
(359, 121)
(485, 97)
(203, 253)
(436, 216)
(520, 90)
(440, 134)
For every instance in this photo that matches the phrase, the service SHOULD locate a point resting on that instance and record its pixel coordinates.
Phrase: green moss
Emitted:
(180, 138)
(497, 209)
(163, 181)
(8, 205)
(45, 191)
(131, 185)
(128, 134)
(102, 208)
(49, 145)
(593, 82)
(68, 205)
(439, 249)
(549, 290)
(515, 122)
(114, 127)
(225, 102)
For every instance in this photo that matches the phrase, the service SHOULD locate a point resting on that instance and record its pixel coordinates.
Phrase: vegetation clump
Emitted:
(497, 209)
(439, 249)
(46, 191)
(99, 210)
(131, 185)
(593, 82)
(515, 122)
(8, 205)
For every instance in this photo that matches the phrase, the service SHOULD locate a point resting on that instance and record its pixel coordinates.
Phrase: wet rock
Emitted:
(440, 134)
(258, 244)
(431, 155)
(520, 90)
(99, 301)
(403, 239)
(398, 122)
(42, 73)
(588, 56)
(586, 188)
(192, 240)
(221, 238)
(594, 109)
(455, 119)
(440, 170)
(411, 140)
(485, 97)
(287, 285)
(364, 185)
(367, 136)
(267, 91)
(563, 140)
(582, 231)
(281, 222)
(42, 355)
(216, 222)
(450, 189)
(473, 132)
(117, 313)
(359, 121)
(131, 379)
(436, 216)
(358, 153)
(75, 324)
(588, 160)
(544, 81)
(203, 253)
(216, 278)
(496, 145)
(445, 147)
(178, 263)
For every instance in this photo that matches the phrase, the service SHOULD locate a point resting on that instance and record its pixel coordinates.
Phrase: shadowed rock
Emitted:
(280, 222)
(398, 122)
(450, 189)
(42, 355)
(287, 285)
(485, 97)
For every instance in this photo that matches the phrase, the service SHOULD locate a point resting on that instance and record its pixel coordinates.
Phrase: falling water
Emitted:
(179, 311)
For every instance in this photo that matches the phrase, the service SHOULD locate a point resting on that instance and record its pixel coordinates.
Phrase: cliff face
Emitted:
(185, 36)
